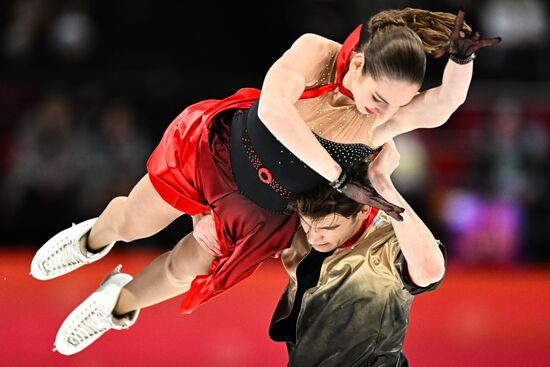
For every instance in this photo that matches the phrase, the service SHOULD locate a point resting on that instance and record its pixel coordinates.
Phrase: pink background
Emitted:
(479, 317)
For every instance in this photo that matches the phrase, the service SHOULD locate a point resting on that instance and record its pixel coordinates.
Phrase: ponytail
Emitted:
(433, 28)
(400, 40)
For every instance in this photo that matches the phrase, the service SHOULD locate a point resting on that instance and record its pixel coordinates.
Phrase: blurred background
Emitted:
(88, 87)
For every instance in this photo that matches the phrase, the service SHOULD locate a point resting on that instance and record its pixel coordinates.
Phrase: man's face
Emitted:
(329, 232)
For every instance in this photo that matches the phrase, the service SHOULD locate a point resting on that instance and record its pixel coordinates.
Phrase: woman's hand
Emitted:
(364, 193)
(464, 43)
(204, 232)
(366, 190)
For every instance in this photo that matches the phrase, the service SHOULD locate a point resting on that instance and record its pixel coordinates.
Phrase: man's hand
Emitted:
(369, 190)
(204, 232)
(463, 43)
(383, 162)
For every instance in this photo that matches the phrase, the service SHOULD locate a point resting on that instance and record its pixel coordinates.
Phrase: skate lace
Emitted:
(65, 255)
(94, 322)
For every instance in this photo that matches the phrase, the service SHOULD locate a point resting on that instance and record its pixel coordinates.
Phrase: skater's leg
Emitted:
(167, 276)
(142, 214)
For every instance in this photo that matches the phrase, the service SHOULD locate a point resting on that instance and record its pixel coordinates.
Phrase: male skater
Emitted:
(354, 272)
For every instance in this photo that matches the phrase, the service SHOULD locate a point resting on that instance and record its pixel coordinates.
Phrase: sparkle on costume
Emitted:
(257, 163)
(333, 122)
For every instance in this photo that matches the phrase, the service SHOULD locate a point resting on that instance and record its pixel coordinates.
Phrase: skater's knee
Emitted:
(118, 202)
(174, 270)
(135, 218)
(123, 223)
(116, 207)
(186, 261)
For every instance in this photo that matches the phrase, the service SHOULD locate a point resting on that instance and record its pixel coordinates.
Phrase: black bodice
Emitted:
(267, 172)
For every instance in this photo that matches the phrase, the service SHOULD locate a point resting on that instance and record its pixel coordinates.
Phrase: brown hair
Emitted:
(400, 40)
(324, 200)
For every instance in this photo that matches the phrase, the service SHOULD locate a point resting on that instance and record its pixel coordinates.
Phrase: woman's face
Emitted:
(380, 97)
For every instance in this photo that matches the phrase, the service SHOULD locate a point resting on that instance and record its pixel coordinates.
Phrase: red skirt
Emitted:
(191, 170)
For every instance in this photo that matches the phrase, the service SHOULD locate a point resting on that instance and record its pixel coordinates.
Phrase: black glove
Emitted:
(358, 187)
(463, 43)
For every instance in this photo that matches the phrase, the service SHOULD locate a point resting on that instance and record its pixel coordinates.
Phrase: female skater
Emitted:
(321, 107)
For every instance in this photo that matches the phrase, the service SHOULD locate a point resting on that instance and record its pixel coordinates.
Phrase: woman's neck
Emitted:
(347, 80)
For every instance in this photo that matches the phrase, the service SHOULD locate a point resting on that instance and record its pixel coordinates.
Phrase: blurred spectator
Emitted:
(72, 35)
(488, 219)
(481, 229)
(114, 157)
(411, 174)
(39, 30)
(64, 156)
(523, 26)
(44, 168)
(504, 148)
(26, 22)
(522, 23)
(68, 163)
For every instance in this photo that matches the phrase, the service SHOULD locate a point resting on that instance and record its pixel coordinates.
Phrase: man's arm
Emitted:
(425, 261)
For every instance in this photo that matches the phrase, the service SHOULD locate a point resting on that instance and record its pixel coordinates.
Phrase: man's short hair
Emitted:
(324, 200)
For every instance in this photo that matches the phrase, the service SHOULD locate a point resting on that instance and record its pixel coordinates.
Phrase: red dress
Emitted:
(191, 170)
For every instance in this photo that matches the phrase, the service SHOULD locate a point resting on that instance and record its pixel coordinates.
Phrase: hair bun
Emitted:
(385, 19)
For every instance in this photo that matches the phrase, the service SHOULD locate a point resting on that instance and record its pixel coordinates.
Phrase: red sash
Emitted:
(342, 65)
